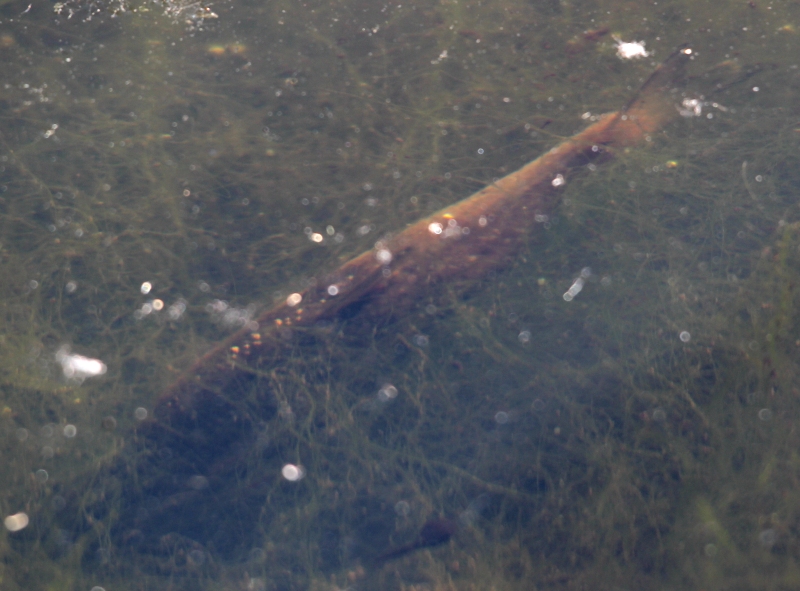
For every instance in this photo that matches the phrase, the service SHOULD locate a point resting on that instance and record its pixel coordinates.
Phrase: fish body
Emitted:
(458, 244)
(434, 533)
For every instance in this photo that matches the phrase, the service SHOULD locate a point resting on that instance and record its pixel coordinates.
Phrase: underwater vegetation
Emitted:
(167, 178)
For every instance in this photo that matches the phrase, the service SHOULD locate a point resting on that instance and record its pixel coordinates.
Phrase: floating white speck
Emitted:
(442, 56)
(387, 392)
(16, 522)
(293, 473)
(627, 50)
(384, 256)
(78, 367)
(294, 299)
(435, 228)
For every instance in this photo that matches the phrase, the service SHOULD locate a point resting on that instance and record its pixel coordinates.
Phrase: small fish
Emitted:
(435, 532)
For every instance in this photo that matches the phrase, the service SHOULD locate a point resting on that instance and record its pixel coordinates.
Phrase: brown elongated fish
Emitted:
(458, 243)
(434, 532)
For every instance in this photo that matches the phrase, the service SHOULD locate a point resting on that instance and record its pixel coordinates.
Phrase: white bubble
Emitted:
(41, 475)
(435, 228)
(501, 418)
(333, 290)
(70, 431)
(16, 522)
(146, 287)
(140, 413)
(387, 392)
(293, 473)
(524, 336)
(559, 180)
(158, 305)
(294, 299)
(176, 310)
(71, 287)
(765, 414)
(78, 367)
(383, 256)
(574, 289)
(421, 340)
(630, 49)
(685, 336)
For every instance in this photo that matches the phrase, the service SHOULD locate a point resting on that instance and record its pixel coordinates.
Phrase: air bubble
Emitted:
(16, 522)
(387, 392)
(383, 256)
(293, 473)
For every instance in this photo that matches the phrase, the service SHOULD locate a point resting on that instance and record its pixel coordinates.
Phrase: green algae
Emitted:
(196, 159)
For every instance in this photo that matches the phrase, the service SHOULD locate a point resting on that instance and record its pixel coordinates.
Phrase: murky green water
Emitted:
(640, 436)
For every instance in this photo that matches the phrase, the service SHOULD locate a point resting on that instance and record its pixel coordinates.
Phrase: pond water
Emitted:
(615, 407)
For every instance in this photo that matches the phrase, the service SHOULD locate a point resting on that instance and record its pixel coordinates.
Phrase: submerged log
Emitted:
(462, 242)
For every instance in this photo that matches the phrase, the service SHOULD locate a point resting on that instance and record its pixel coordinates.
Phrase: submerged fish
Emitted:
(434, 532)
(460, 243)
